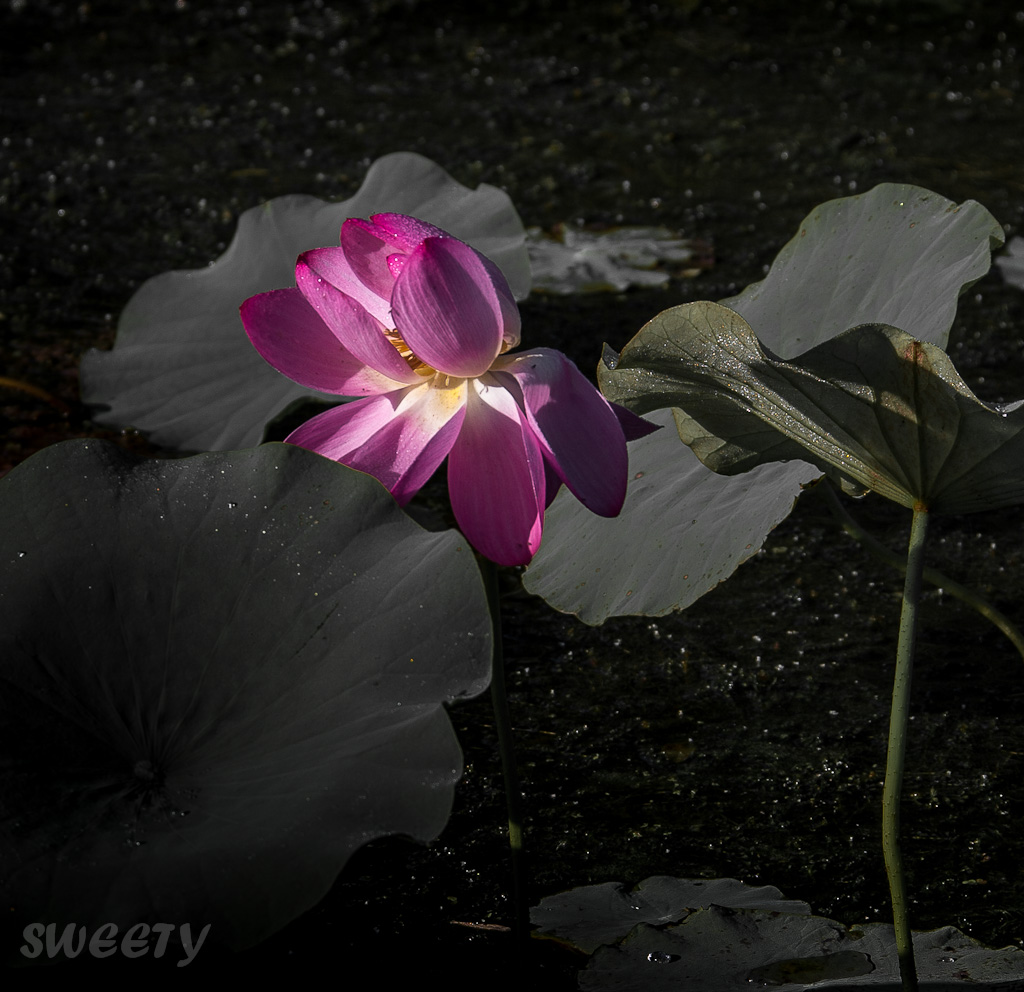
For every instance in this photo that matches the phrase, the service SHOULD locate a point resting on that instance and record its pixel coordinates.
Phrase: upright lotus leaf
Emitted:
(874, 408)
(219, 677)
(592, 915)
(898, 254)
(683, 529)
(728, 950)
(182, 368)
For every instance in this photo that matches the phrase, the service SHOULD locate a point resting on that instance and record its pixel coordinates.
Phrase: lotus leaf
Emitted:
(898, 254)
(726, 950)
(873, 407)
(593, 915)
(219, 677)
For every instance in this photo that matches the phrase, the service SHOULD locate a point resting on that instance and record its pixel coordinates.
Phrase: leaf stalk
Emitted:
(898, 723)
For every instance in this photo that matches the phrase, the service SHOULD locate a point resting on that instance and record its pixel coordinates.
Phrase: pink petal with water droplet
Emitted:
(294, 339)
(396, 263)
(373, 247)
(366, 249)
(362, 334)
(405, 232)
(331, 265)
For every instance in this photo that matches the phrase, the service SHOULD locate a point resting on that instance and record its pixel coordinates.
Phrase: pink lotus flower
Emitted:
(418, 323)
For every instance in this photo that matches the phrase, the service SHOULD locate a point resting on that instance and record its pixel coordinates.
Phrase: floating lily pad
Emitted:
(593, 915)
(897, 254)
(873, 408)
(219, 677)
(726, 950)
(182, 368)
(575, 260)
(719, 935)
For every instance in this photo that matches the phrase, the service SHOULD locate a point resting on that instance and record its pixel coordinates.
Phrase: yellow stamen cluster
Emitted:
(419, 367)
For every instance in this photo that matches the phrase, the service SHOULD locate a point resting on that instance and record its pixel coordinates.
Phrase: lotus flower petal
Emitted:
(399, 438)
(447, 308)
(322, 362)
(496, 477)
(358, 331)
(575, 425)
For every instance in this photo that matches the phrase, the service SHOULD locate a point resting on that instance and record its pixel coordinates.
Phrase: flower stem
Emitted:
(506, 746)
(898, 722)
(931, 575)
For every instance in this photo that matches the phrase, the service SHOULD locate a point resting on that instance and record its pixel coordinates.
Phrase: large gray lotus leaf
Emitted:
(726, 950)
(592, 915)
(872, 407)
(898, 254)
(682, 531)
(182, 368)
(219, 677)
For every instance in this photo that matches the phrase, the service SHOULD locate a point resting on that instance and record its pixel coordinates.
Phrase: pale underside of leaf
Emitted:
(682, 531)
(898, 254)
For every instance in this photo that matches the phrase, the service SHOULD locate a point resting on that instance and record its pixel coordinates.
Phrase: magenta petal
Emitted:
(406, 233)
(446, 308)
(633, 427)
(292, 337)
(496, 478)
(396, 263)
(399, 438)
(331, 265)
(511, 324)
(362, 334)
(552, 483)
(366, 250)
(575, 425)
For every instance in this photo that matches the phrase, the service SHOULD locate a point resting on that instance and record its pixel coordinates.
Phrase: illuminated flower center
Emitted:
(418, 365)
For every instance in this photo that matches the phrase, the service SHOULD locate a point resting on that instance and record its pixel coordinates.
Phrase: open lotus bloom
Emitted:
(418, 323)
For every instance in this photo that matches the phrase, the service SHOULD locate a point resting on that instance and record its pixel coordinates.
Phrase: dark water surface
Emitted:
(746, 736)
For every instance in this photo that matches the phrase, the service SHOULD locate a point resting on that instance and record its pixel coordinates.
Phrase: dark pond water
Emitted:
(744, 737)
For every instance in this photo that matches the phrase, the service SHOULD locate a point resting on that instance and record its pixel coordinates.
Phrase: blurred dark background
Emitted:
(745, 737)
